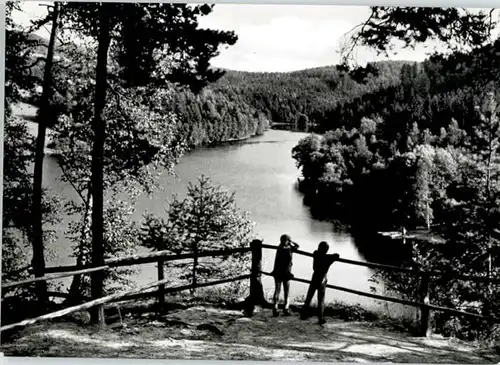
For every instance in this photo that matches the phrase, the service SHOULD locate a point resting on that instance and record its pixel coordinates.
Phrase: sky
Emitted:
(280, 37)
(290, 37)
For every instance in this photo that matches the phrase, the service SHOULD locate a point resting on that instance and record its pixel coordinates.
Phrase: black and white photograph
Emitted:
(264, 182)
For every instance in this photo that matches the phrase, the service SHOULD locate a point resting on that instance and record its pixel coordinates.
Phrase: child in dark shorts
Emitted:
(321, 265)
(282, 271)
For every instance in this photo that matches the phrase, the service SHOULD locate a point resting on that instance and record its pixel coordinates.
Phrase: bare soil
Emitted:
(228, 335)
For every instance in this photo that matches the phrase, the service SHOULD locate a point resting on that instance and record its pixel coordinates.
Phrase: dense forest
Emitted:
(371, 138)
(206, 118)
(375, 147)
(393, 144)
(422, 152)
(301, 100)
(213, 117)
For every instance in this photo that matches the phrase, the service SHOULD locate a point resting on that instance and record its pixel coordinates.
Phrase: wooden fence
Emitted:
(256, 297)
(160, 257)
(425, 306)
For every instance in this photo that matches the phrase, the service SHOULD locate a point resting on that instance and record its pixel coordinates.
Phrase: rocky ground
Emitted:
(209, 333)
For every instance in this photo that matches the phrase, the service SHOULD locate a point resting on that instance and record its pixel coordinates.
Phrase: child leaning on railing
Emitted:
(282, 271)
(321, 265)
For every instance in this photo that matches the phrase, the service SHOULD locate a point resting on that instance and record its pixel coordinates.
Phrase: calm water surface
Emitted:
(263, 175)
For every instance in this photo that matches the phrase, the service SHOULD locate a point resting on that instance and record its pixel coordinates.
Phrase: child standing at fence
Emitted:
(321, 265)
(282, 271)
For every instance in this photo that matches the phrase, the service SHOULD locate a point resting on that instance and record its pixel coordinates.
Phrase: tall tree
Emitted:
(142, 141)
(43, 114)
(17, 231)
(154, 43)
(486, 148)
(19, 62)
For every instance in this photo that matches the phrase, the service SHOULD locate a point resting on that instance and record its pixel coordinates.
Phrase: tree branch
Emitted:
(38, 60)
(354, 41)
(37, 24)
(491, 26)
(63, 42)
(65, 173)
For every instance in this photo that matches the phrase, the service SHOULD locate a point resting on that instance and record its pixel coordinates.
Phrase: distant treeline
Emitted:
(304, 100)
(213, 116)
(401, 154)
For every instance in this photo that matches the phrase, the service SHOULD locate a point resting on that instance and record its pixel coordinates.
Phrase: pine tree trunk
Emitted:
(490, 268)
(195, 267)
(427, 217)
(488, 201)
(75, 291)
(37, 219)
(99, 129)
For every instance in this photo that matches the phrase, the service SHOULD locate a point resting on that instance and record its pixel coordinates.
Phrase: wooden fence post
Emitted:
(256, 289)
(425, 312)
(161, 288)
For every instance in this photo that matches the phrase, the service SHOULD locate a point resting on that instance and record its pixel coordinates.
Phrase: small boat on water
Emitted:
(418, 234)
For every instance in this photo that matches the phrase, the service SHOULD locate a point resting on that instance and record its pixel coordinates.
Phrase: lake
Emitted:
(263, 175)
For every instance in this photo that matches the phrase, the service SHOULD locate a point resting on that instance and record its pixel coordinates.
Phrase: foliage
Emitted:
(207, 219)
(17, 162)
(16, 203)
(287, 98)
(120, 239)
(212, 117)
(454, 28)
(142, 139)
(413, 25)
(154, 43)
(17, 179)
(20, 57)
(142, 143)
(435, 148)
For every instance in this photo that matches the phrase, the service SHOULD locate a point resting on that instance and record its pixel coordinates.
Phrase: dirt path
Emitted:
(263, 337)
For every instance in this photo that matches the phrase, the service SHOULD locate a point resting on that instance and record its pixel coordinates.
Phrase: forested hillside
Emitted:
(301, 99)
(207, 118)
(242, 104)
(422, 152)
(365, 161)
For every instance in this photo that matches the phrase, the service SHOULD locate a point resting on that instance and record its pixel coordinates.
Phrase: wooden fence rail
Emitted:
(175, 289)
(148, 258)
(114, 298)
(391, 299)
(52, 277)
(159, 256)
(431, 273)
(424, 304)
(256, 297)
(434, 273)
